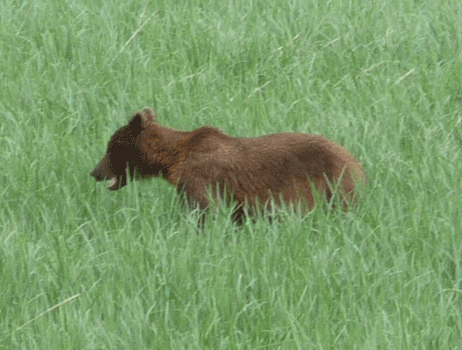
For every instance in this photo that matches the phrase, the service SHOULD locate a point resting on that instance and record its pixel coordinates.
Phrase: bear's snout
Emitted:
(102, 170)
(97, 175)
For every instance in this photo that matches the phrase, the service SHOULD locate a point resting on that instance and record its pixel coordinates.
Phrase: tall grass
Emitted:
(84, 268)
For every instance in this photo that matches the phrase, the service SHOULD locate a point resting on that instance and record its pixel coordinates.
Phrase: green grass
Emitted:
(382, 78)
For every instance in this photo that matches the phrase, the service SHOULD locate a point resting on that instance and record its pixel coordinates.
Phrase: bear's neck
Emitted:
(165, 148)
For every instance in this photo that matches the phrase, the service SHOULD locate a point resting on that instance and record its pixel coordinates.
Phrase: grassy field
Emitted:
(84, 268)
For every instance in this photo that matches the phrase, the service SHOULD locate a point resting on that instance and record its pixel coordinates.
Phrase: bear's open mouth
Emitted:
(113, 184)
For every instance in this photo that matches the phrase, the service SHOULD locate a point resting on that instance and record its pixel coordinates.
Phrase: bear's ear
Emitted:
(149, 115)
(136, 123)
(140, 119)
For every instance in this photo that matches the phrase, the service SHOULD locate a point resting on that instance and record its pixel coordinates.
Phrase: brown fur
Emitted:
(249, 171)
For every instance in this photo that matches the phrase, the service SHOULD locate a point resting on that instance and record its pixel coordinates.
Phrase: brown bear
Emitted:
(207, 164)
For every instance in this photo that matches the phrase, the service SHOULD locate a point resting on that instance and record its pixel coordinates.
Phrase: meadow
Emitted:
(82, 267)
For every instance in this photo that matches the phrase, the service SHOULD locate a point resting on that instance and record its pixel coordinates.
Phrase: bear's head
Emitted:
(123, 152)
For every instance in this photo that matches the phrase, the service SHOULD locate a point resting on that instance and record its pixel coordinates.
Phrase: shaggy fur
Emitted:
(252, 172)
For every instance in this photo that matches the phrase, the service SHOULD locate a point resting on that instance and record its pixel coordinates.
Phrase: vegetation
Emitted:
(85, 268)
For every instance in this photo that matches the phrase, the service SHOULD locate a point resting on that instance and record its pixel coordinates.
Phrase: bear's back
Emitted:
(282, 163)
